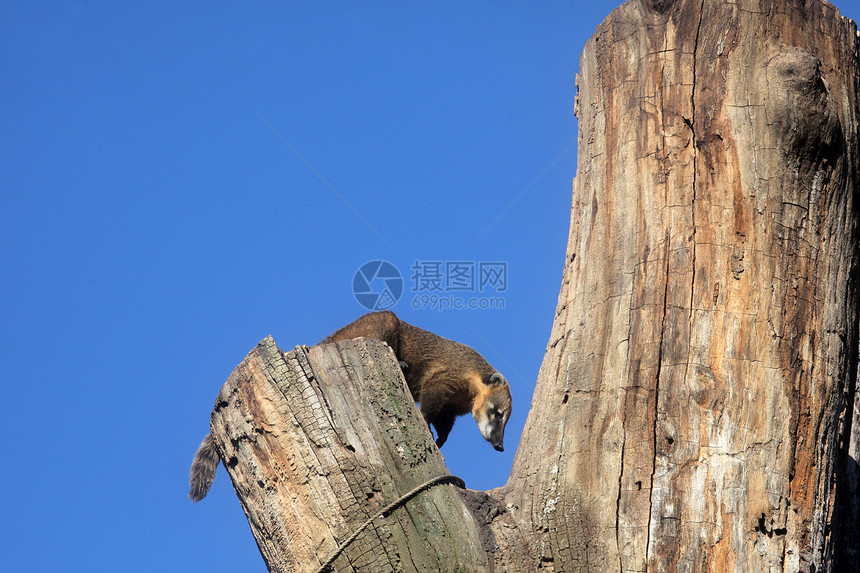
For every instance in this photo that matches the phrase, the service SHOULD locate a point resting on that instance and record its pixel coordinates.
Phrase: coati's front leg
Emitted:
(443, 424)
(434, 408)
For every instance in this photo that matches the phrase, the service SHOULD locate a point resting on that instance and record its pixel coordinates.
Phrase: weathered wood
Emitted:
(694, 407)
(697, 408)
(318, 440)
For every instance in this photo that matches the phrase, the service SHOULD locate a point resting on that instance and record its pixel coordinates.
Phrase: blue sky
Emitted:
(181, 180)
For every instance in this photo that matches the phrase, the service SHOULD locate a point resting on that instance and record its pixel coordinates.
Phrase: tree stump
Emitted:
(317, 440)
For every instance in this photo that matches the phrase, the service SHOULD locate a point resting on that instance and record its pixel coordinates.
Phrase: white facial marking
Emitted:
(485, 427)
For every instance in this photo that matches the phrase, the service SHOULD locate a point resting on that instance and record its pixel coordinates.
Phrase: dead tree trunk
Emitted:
(694, 407)
(697, 408)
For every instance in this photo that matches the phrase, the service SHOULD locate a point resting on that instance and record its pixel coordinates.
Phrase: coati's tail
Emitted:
(203, 469)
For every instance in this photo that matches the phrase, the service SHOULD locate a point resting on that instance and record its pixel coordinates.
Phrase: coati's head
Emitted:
(492, 409)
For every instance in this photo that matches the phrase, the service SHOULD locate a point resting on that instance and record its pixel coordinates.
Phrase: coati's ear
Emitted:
(497, 379)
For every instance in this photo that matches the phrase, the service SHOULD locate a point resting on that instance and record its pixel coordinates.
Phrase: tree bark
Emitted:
(318, 440)
(694, 408)
(697, 408)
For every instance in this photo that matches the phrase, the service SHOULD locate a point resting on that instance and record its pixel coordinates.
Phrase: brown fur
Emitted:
(446, 378)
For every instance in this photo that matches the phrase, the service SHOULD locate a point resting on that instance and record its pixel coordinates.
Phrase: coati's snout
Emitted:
(491, 423)
(492, 409)
(495, 434)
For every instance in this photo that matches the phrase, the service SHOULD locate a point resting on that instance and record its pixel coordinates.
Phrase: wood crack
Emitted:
(657, 401)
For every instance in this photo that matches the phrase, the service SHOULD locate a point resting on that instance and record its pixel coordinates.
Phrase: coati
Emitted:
(446, 378)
